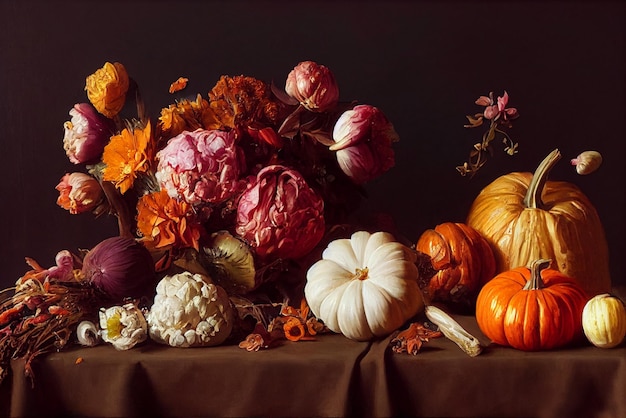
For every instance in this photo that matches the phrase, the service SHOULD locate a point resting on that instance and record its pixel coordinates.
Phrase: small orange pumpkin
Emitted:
(536, 308)
(462, 260)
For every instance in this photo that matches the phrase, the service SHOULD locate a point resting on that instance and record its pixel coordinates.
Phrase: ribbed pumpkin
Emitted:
(364, 287)
(604, 321)
(462, 259)
(526, 217)
(536, 308)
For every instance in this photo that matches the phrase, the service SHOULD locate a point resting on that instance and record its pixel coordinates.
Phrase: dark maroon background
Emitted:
(422, 63)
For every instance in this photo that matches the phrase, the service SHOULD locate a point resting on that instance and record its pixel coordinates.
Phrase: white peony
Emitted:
(189, 311)
(123, 326)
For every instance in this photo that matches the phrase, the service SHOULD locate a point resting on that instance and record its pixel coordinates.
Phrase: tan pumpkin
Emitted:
(526, 217)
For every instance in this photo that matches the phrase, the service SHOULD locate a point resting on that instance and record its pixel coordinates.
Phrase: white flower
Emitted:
(189, 311)
(123, 326)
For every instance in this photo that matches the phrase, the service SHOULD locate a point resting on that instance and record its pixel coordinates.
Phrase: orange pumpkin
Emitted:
(536, 308)
(462, 260)
(525, 217)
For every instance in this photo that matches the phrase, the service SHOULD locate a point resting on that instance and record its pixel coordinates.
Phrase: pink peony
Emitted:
(280, 215)
(202, 166)
(313, 85)
(86, 134)
(363, 140)
(79, 192)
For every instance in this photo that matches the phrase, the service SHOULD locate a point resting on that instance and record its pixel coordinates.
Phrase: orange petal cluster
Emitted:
(241, 101)
(107, 88)
(127, 155)
(164, 221)
(187, 115)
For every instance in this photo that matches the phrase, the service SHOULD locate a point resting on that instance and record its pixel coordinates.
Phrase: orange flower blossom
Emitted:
(107, 87)
(127, 155)
(167, 221)
(187, 115)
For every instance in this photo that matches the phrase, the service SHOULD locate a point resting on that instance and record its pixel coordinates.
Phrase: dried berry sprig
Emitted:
(500, 118)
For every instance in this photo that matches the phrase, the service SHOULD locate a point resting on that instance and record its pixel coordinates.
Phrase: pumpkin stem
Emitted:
(540, 177)
(361, 274)
(536, 282)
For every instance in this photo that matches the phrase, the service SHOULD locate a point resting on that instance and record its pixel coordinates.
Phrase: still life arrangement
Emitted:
(233, 210)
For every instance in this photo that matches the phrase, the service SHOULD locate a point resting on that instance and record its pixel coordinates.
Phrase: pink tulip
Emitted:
(363, 140)
(313, 85)
(86, 134)
(280, 215)
(79, 192)
(202, 166)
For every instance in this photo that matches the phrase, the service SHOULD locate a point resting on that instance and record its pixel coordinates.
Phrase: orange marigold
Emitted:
(239, 101)
(126, 155)
(187, 115)
(165, 221)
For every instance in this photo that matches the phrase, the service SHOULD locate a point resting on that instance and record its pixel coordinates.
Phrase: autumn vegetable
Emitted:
(120, 268)
(190, 311)
(525, 217)
(463, 262)
(230, 263)
(587, 162)
(604, 321)
(364, 286)
(536, 308)
(454, 331)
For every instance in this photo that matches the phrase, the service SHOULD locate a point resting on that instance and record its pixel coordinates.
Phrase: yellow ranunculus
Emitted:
(107, 87)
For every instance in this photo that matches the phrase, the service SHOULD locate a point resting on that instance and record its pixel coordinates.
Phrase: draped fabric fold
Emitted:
(330, 377)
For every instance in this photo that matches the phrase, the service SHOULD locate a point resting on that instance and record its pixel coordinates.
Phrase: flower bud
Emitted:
(107, 88)
(86, 134)
(120, 267)
(79, 192)
(363, 140)
(279, 215)
(313, 85)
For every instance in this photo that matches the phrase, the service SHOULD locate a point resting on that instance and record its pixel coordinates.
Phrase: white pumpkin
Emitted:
(604, 321)
(365, 286)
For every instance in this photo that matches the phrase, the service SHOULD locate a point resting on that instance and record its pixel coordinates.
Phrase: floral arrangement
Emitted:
(223, 200)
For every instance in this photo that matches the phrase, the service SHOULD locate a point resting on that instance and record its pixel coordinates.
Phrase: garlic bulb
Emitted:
(189, 311)
(87, 334)
(123, 326)
(587, 162)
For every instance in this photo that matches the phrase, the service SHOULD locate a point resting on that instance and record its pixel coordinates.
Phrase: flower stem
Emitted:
(119, 209)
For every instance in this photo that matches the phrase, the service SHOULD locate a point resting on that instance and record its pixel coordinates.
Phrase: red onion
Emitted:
(120, 267)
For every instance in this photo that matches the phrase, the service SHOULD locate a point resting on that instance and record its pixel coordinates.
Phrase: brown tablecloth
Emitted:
(332, 376)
